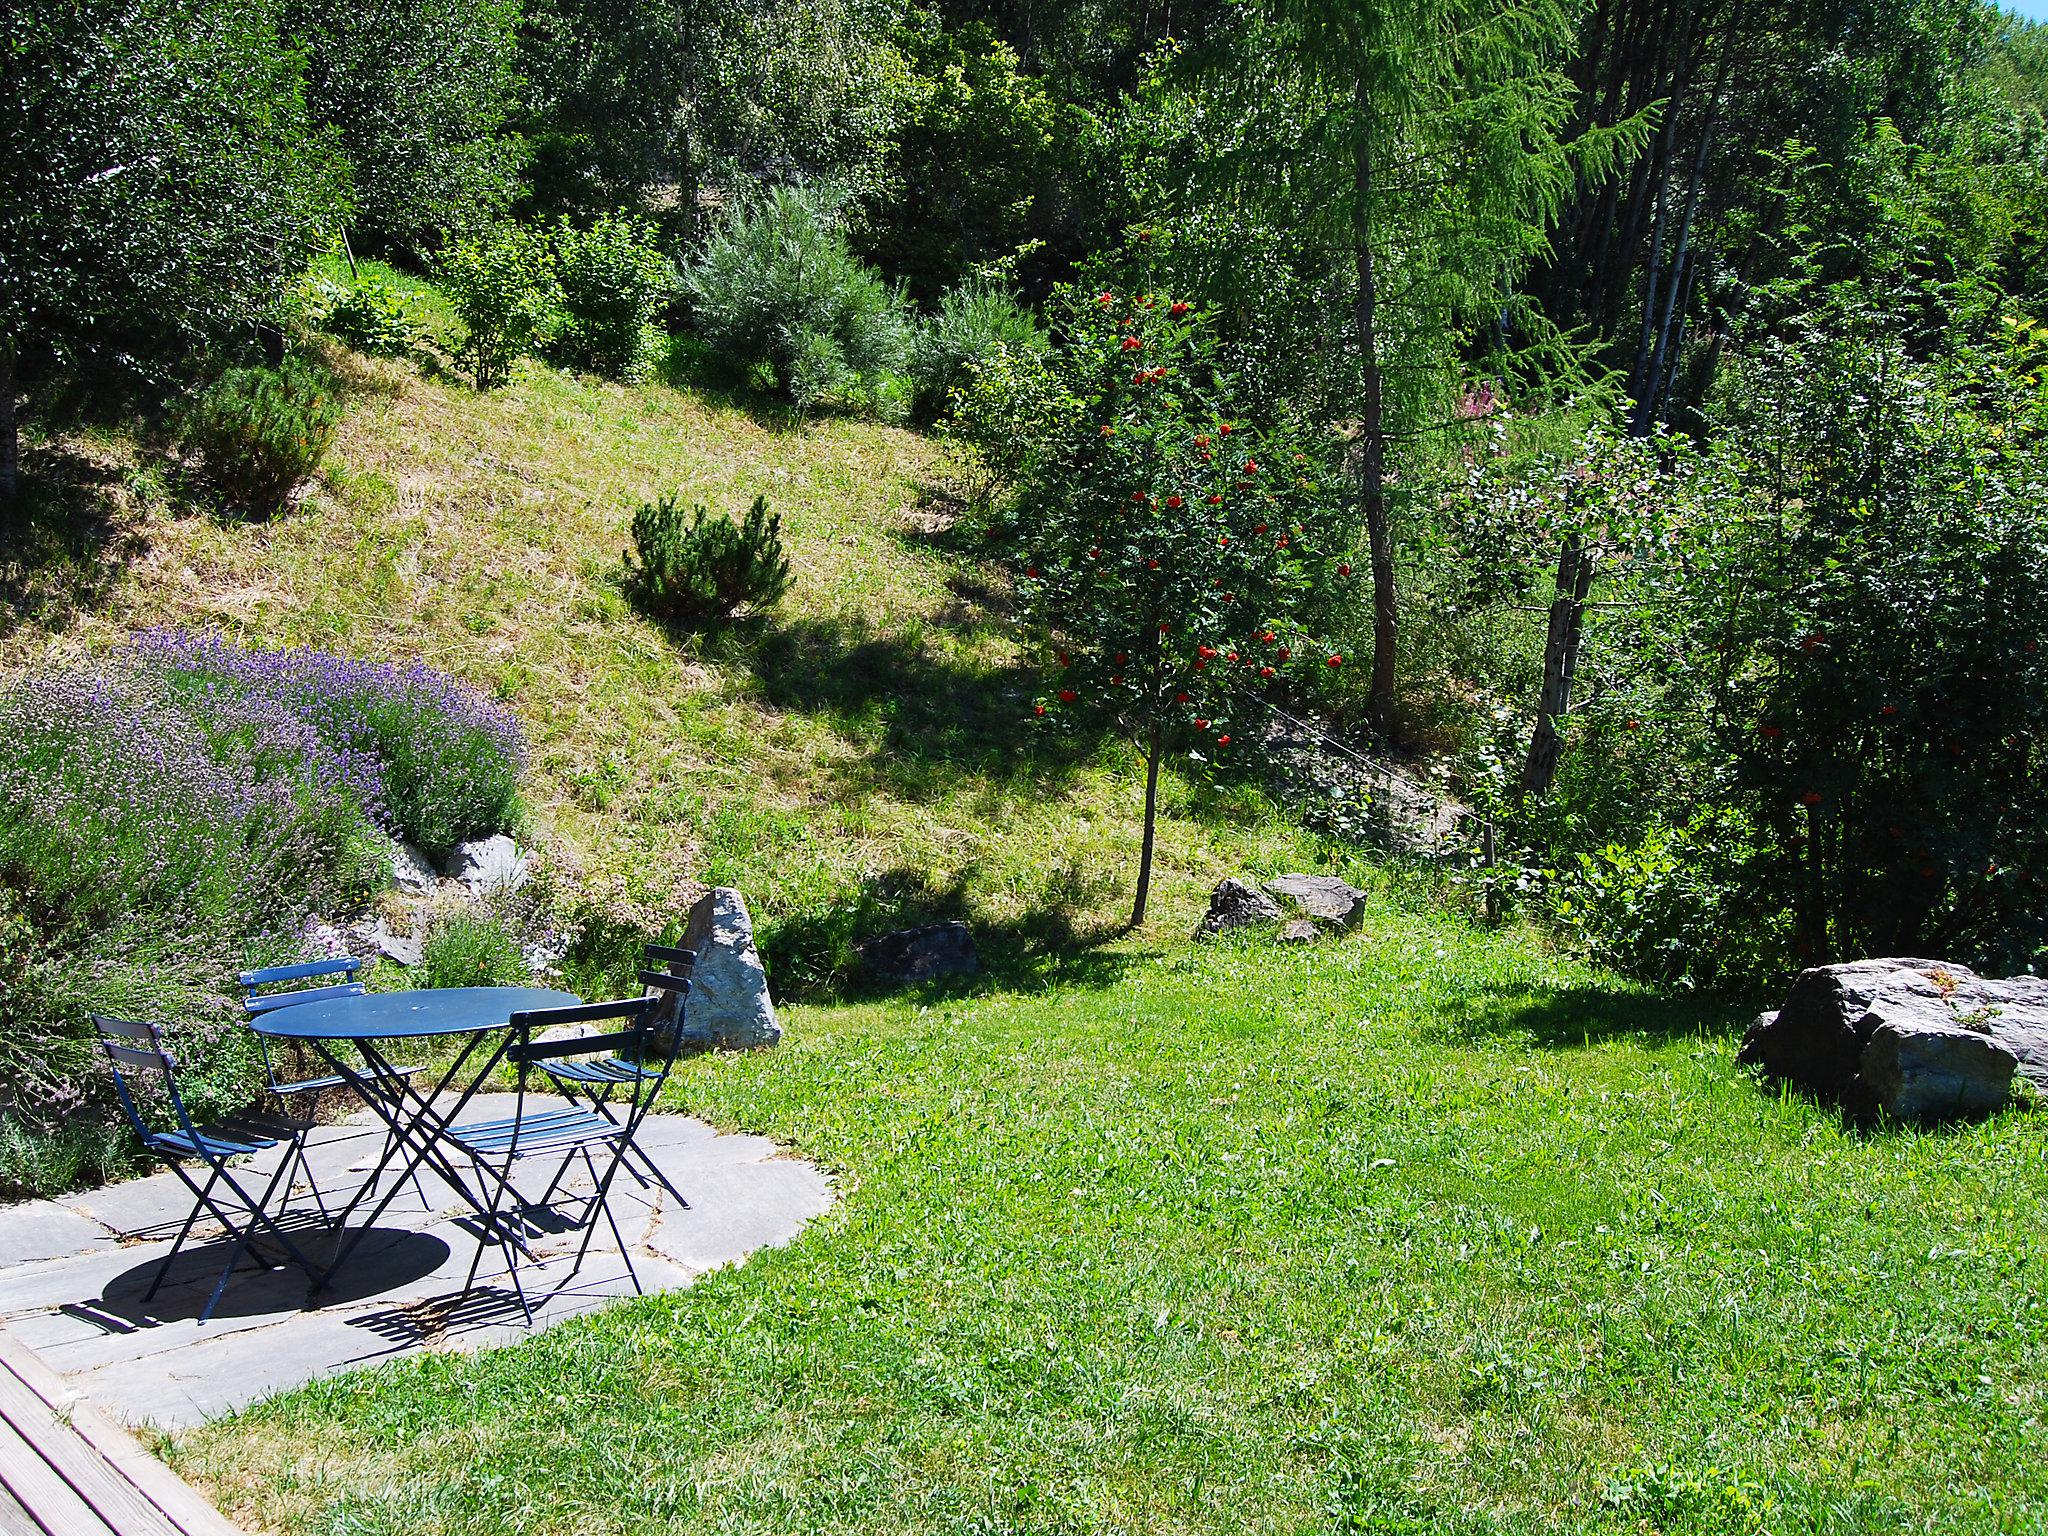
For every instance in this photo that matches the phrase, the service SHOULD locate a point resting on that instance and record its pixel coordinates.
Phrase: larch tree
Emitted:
(1427, 146)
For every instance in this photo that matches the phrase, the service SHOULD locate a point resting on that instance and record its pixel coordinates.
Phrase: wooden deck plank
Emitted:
(93, 1480)
(119, 1483)
(51, 1502)
(14, 1520)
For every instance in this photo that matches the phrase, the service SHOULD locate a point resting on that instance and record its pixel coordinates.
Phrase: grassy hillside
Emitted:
(861, 754)
(1422, 1232)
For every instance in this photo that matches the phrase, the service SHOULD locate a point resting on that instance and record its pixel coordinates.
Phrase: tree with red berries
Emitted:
(1169, 540)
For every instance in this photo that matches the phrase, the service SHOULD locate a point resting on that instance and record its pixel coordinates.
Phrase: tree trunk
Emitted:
(1371, 459)
(10, 433)
(1151, 817)
(1560, 665)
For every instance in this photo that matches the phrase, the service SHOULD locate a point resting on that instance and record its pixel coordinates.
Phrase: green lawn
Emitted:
(1423, 1231)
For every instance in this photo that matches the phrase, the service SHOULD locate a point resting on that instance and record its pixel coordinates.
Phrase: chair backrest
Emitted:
(635, 1042)
(137, 1054)
(668, 974)
(284, 986)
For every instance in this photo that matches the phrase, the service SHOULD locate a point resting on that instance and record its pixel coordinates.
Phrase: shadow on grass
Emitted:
(928, 713)
(815, 957)
(1562, 1018)
(66, 542)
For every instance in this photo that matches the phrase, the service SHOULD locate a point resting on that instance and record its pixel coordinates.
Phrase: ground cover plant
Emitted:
(1424, 1231)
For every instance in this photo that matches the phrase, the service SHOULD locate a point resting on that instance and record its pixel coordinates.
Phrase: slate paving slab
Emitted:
(73, 1273)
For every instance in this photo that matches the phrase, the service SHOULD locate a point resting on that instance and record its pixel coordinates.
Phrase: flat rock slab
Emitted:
(73, 1272)
(1322, 897)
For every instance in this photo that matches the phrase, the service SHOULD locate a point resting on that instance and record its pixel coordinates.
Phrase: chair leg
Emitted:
(199, 1203)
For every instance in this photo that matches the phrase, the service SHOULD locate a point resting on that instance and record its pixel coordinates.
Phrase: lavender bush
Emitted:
(445, 760)
(174, 814)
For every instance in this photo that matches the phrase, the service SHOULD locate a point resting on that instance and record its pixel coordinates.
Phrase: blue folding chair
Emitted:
(287, 986)
(596, 1082)
(134, 1049)
(564, 1132)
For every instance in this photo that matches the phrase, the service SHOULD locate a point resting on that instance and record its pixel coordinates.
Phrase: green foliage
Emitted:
(776, 289)
(974, 325)
(161, 183)
(1167, 544)
(471, 946)
(417, 93)
(706, 570)
(613, 283)
(370, 312)
(260, 433)
(975, 143)
(504, 288)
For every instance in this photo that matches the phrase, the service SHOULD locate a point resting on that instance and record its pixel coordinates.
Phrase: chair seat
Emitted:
(609, 1069)
(209, 1143)
(552, 1130)
(335, 1080)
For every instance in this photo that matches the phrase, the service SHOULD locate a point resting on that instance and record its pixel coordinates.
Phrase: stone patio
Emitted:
(73, 1271)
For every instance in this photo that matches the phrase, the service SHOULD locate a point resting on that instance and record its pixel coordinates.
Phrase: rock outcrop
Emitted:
(911, 955)
(1914, 1039)
(1322, 897)
(1233, 904)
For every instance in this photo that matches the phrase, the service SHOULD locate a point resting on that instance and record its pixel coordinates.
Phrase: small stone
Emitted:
(728, 1006)
(410, 869)
(1233, 904)
(911, 955)
(488, 864)
(1324, 897)
(1300, 931)
(401, 949)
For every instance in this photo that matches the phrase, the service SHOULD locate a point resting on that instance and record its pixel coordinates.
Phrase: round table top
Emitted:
(399, 1015)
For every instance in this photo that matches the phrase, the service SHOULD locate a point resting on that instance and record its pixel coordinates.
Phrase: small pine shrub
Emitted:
(613, 282)
(777, 291)
(701, 569)
(260, 433)
(504, 288)
(372, 314)
(974, 322)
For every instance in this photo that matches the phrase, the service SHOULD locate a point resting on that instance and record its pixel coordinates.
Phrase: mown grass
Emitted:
(1422, 1231)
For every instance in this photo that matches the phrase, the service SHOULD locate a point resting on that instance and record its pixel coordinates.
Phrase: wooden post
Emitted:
(1492, 889)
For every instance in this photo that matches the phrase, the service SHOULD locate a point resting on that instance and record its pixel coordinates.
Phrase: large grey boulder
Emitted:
(911, 955)
(1322, 897)
(410, 870)
(728, 1006)
(1233, 904)
(1917, 1039)
(488, 864)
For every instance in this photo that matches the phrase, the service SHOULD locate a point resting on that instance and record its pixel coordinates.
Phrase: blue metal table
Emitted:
(366, 1023)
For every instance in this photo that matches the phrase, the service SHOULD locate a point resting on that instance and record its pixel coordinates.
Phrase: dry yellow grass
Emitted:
(863, 744)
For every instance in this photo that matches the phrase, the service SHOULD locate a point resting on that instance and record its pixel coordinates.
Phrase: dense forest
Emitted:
(1658, 389)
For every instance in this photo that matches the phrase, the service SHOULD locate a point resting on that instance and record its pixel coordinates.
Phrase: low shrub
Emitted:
(440, 762)
(974, 322)
(471, 947)
(260, 433)
(776, 291)
(701, 569)
(504, 289)
(369, 312)
(613, 283)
